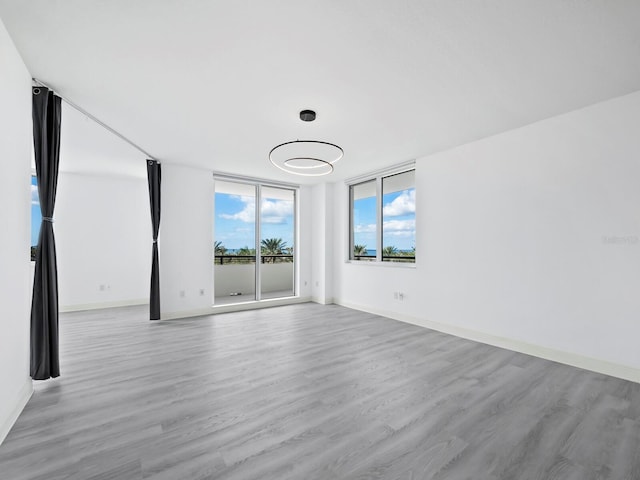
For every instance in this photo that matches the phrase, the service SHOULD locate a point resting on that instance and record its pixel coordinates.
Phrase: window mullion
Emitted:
(258, 230)
(351, 255)
(379, 219)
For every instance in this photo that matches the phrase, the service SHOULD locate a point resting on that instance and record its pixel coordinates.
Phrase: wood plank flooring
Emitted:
(313, 392)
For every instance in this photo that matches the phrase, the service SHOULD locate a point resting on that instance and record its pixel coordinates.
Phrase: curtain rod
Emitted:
(102, 124)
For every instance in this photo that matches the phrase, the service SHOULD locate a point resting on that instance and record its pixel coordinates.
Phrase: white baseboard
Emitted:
(21, 400)
(322, 300)
(98, 306)
(237, 307)
(575, 360)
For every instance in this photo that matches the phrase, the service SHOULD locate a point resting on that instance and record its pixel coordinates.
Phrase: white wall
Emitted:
(322, 245)
(186, 239)
(103, 240)
(276, 277)
(15, 283)
(234, 278)
(529, 239)
(305, 241)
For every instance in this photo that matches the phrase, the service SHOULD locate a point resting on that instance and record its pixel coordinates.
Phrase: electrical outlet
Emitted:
(101, 288)
(182, 293)
(401, 296)
(202, 292)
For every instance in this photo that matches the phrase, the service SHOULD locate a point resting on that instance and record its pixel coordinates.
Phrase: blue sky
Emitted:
(398, 219)
(36, 216)
(234, 224)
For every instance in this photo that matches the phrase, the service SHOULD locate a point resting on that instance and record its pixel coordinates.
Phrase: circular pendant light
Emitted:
(310, 158)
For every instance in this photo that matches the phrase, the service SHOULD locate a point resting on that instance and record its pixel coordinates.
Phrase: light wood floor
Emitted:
(313, 392)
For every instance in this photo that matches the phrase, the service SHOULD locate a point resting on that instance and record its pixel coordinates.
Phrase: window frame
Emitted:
(378, 176)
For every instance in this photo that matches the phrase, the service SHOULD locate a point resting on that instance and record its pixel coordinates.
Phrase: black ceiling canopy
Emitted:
(307, 115)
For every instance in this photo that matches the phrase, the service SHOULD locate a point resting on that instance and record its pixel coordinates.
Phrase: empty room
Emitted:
(302, 240)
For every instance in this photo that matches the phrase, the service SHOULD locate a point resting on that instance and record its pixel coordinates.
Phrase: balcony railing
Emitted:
(245, 259)
(387, 258)
(235, 276)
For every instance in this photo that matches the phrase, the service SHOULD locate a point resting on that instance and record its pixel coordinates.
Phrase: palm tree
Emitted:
(389, 251)
(272, 246)
(219, 248)
(359, 250)
(246, 251)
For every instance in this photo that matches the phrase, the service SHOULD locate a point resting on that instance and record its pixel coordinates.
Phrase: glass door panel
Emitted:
(277, 247)
(234, 270)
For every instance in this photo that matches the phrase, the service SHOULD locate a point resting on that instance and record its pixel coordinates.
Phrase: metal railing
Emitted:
(387, 258)
(245, 259)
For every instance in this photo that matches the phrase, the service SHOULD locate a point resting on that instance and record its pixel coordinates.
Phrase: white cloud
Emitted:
(247, 214)
(364, 228)
(390, 227)
(398, 225)
(281, 208)
(35, 200)
(272, 211)
(401, 233)
(274, 220)
(399, 228)
(276, 211)
(403, 204)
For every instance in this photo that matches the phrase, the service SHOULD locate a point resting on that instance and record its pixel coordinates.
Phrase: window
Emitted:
(383, 218)
(36, 217)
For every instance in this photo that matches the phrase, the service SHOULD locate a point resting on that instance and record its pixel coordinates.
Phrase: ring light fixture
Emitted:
(309, 158)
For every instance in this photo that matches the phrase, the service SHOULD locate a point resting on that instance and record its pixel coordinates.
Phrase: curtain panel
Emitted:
(153, 177)
(46, 114)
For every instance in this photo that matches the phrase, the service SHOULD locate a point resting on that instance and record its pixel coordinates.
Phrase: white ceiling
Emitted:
(217, 84)
(86, 147)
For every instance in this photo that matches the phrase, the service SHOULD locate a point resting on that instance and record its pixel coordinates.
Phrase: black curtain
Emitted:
(44, 304)
(153, 176)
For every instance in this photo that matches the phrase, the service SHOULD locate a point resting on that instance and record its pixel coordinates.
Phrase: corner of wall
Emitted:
(11, 416)
(15, 279)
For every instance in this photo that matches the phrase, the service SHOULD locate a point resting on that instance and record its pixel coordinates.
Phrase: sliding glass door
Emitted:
(254, 249)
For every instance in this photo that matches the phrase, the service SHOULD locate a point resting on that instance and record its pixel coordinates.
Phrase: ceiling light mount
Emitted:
(307, 115)
(309, 158)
